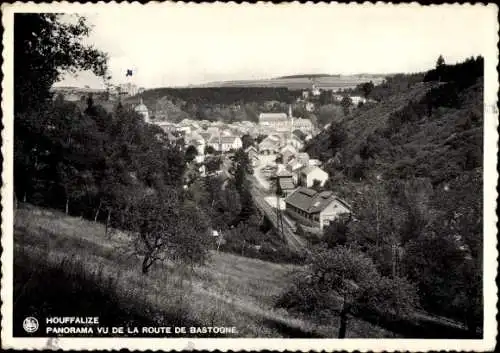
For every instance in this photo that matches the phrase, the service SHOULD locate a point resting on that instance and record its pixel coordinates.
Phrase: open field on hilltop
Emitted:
(98, 275)
(299, 83)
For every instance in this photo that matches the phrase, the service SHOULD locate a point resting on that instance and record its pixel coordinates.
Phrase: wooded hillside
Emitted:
(411, 166)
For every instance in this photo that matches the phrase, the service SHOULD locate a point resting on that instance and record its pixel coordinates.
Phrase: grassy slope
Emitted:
(428, 146)
(365, 121)
(229, 291)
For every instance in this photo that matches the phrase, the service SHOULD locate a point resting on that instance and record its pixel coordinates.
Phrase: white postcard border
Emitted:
(490, 219)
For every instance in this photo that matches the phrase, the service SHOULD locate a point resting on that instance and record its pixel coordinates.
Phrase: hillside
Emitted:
(301, 81)
(414, 132)
(411, 167)
(98, 275)
(365, 121)
(311, 76)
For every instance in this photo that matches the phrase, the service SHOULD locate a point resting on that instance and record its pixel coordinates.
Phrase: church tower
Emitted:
(290, 117)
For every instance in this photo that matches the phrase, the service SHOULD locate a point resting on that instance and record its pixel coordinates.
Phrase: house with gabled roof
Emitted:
(304, 125)
(287, 153)
(285, 182)
(294, 166)
(310, 174)
(294, 141)
(206, 136)
(274, 120)
(225, 143)
(270, 145)
(316, 209)
(303, 158)
(253, 155)
(231, 143)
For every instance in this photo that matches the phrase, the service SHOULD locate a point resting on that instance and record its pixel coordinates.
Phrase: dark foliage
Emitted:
(411, 168)
(90, 163)
(223, 95)
(44, 47)
(462, 74)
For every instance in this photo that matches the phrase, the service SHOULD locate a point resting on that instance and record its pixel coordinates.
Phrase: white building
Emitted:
(310, 106)
(270, 145)
(304, 125)
(253, 155)
(315, 90)
(142, 110)
(358, 99)
(128, 89)
(316, 209)
(308, 175)
(231, 143)
(225, 143)
(274, 121)
(200, 159)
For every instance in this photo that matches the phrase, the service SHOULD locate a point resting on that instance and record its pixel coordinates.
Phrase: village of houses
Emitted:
(278, 161)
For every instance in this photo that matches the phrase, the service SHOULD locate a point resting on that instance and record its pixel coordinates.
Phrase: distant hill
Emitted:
(301, 81)
(79, 90)
(421, 127)
(310, 76)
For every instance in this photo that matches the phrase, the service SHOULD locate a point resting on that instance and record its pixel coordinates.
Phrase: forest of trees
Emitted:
(415, 185)
(107, 167)
(224, 95)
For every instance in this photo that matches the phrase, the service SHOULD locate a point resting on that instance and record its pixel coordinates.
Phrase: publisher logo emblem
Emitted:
(30, 324)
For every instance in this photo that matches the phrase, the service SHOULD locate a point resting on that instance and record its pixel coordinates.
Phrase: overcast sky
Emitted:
(172, 45)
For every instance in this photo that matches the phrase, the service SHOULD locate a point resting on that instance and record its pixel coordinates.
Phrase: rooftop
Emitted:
(206, 135)
(228, 139)
(141, 108)
(311, 168)
(286, 183)
(272, 117)
(312, 201)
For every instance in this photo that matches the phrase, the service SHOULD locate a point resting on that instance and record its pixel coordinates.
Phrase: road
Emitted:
(299, 245)
(294, 241)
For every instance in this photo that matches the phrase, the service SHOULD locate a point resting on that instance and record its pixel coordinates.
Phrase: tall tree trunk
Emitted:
(146, 264)
(97, 212)
(393, 260)
(378, 225)
(343, 320)
(343, 324)
(107, 224)
(67, 205)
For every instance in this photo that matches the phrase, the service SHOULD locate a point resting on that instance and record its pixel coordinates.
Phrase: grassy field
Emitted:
(299, 83)
(61, 259)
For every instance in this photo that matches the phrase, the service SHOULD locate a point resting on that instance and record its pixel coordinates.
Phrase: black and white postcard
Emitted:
(299, 177)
